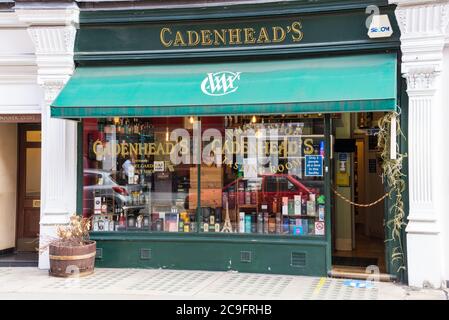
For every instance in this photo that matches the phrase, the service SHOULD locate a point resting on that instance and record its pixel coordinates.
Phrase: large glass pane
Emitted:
(263, 175)
(137, 174)
(253, 175)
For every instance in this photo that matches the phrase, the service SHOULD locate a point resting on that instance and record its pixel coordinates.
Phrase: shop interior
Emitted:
(236, 174)
(358, 236)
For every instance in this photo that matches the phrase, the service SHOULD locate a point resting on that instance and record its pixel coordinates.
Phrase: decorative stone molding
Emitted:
(51, 89)
(53, 40)
(416, 19)
(421, 80)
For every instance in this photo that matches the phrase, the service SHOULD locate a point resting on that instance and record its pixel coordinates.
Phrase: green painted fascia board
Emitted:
(115, 16)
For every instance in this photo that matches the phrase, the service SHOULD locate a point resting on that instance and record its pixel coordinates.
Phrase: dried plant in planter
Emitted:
(72, 253)
(393, 175)
(75, 234)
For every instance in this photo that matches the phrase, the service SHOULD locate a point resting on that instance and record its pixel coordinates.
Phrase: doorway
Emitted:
(29, 187)
(359, 234)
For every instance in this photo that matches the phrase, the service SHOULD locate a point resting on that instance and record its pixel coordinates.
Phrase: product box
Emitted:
(321, 212)
(311, 208)
(285, 225)
(209, 198)
(271, 225)
(97, 205)
(284, 206)
(305, 226)
(297, 204)
(171, 222)
(298, 230)
(319, 228)
(242, 222)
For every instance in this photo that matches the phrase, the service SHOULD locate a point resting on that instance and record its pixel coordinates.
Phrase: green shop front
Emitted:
(205, 138)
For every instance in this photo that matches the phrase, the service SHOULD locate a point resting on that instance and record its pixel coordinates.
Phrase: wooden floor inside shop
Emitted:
(367, 251)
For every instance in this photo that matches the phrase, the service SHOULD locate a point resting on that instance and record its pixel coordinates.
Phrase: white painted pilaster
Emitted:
(424, 30)
(52, 30)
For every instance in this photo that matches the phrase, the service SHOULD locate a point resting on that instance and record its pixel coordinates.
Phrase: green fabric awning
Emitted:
(313, 85)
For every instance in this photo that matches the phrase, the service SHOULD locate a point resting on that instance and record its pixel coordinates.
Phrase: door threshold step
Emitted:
(383, 277)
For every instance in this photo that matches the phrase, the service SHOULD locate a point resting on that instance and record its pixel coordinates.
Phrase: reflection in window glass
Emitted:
(236, 174)
(130, 182)
(263, 175)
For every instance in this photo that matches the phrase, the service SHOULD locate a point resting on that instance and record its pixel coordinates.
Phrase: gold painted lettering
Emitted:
(235, 36)
(133, 148)
(296, 28)
(125, 150)
(95, 147)
(220, 36)
(308, 146)
(162, 36)
(179, 40)
(249, 35)
(191, 35)
(278, 34)
(205, 37)
(263, 36)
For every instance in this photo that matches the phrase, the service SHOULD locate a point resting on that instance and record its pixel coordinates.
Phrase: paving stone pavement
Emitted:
(32, 283)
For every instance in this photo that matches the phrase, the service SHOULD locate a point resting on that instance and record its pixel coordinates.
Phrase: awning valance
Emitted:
(313, 85)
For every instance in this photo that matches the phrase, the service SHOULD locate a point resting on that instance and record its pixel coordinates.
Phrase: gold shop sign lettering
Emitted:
(218, 37)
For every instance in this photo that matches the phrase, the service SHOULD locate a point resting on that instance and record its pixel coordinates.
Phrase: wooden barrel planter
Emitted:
(72, 261)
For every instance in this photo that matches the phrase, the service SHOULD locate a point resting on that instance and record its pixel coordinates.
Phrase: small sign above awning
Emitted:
(314, 85)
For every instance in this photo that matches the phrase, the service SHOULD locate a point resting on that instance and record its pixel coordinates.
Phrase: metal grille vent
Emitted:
(298, 259)
(145, 254)
(245, 256)
(99, 253)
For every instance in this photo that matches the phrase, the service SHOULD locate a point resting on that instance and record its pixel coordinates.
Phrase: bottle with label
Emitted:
(248, 195)
(111, 224)
(218, 219)
(242, 222)
(104, 205)
(206, 219)
(265, 216)
(95, 224)
(122, 220)
(100, 224)
(253, 222)
(278, 223)
(247, 223)
(259, 222)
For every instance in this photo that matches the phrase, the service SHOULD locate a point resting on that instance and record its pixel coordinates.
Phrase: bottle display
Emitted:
(132, 185)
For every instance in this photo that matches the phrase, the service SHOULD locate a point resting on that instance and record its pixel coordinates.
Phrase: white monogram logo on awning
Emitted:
(220, 83)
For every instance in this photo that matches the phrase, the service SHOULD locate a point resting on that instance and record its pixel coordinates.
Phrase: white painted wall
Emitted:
(8, 185)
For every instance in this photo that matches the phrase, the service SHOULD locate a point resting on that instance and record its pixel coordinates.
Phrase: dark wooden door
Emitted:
(29, 187)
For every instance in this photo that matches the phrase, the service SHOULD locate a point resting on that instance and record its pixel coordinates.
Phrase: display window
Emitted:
(259, 175)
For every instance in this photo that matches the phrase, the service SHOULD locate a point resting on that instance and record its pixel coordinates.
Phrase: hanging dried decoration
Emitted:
(392, 163)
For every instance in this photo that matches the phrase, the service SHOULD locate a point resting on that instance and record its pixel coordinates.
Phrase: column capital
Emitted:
(52, 30)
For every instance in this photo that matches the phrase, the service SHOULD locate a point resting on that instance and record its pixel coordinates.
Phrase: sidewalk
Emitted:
(31, 283)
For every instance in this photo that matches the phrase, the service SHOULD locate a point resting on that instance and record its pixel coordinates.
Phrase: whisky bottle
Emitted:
(104, 205)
